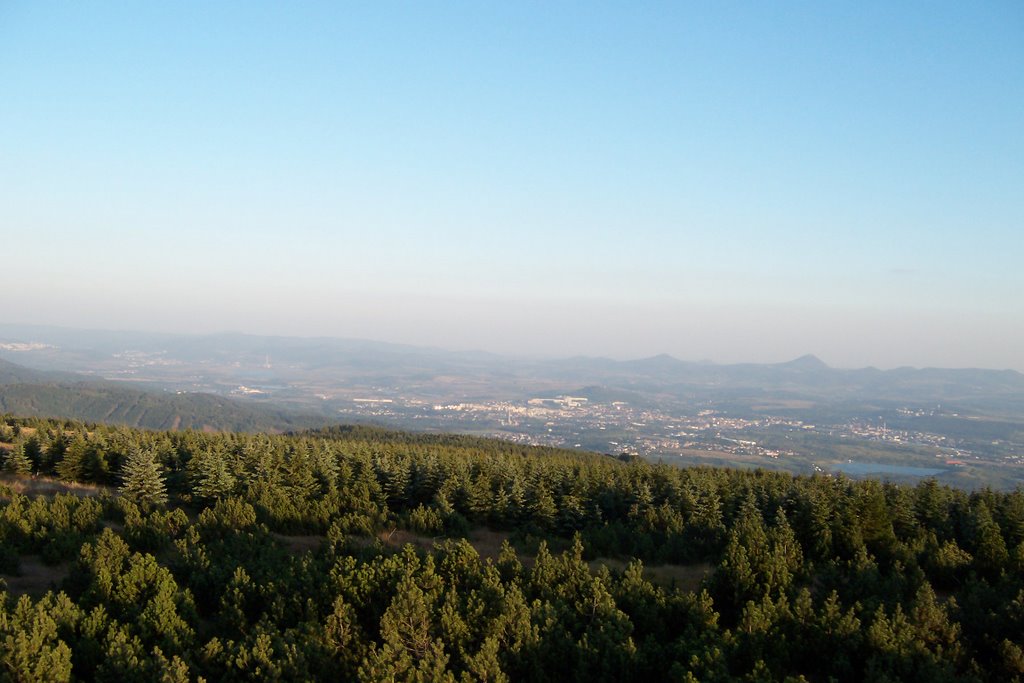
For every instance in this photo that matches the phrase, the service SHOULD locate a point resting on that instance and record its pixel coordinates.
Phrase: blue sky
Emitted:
(732, 181)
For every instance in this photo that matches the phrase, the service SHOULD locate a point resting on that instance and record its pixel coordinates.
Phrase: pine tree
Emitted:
(71, 466)
(33, 446)
(18, 461)
(211, 478)
(142, 480)
(299, 476)
(542, 507)
(325, 466)
(990, 552)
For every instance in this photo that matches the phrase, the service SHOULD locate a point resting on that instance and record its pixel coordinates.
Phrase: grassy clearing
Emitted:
(50, 486)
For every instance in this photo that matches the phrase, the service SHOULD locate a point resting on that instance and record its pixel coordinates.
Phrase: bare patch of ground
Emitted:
(50, 486)
(398, 538)
(687, 577)
(298, 545)
(116, 527)
(487, 542)
(36, 577)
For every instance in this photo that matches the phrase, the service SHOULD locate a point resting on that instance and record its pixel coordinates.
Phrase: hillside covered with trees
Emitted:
(361, 554)
(36, 393)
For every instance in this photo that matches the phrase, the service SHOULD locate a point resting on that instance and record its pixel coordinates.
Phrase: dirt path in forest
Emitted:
(35, 577)
(488, 542)
(297, 545)
(687, 577)
(50, 486)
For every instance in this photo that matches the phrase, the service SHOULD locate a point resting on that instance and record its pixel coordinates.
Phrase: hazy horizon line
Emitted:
(809, 355)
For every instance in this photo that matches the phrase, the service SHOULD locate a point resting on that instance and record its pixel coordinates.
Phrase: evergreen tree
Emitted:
(542, 507)
(325, 467)
(990, 552)
(142, 480)
(53, 453)
(299, 476)
(33, 446)
(211, 478)
(18, 461)
(96, 463)
(71, 466)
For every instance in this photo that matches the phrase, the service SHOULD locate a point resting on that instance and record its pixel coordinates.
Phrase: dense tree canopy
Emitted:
(253, 557)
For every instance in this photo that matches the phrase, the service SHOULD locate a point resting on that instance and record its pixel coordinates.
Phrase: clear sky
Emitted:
(714, 180)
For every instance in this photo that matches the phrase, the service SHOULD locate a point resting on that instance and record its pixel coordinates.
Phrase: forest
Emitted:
(28, 392)
(354, 553)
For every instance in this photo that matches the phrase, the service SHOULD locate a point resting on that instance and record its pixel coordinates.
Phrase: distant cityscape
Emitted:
(619, 428)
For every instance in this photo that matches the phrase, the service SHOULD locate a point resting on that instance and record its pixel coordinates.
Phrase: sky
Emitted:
(725, 181)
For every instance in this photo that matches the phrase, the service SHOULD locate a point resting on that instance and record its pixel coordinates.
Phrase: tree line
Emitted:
(183, 569)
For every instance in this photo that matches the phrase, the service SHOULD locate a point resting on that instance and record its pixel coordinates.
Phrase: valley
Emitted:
(965, 427)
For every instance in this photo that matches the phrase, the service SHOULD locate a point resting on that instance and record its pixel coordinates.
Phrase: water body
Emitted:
(862, 468)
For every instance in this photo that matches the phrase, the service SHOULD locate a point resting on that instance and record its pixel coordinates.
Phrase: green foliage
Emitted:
(256, 557)
(142, 480)
(426, 521)
(143, 409)
(30, 646)
(18, 461)
(211, 477)
(134, 588)
(71, 467)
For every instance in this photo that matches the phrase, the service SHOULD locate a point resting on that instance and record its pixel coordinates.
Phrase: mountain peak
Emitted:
(662, 360)
(808, 361)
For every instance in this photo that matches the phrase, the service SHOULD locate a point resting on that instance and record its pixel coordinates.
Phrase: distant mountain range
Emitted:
(308, 373)
(807, 374)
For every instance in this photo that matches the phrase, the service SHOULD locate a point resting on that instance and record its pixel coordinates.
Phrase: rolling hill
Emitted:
(28, 392)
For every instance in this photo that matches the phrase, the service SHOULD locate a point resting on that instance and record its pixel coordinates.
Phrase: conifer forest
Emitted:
(359, 554)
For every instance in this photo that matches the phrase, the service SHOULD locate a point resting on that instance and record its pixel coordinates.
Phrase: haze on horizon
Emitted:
(730, 182)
